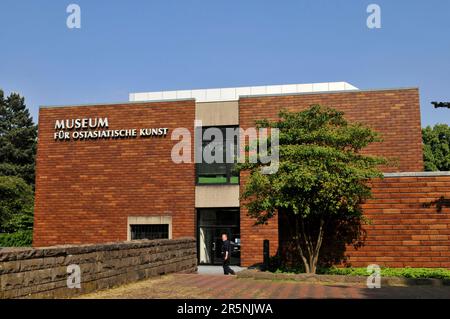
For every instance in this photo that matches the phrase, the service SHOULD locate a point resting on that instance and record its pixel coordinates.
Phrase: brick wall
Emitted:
(395, 114)
(253, 236)
(410, 219)
(85, 190)
(409, 226)
(43, 273)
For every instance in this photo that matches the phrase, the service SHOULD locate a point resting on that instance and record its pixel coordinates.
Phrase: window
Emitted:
(218, 217)
(155, 231)
(219, 172)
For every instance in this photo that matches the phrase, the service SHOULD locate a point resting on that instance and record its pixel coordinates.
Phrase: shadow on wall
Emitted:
(338, 236)
(439, 203)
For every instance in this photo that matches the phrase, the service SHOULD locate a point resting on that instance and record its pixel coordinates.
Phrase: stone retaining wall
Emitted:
(43, 272)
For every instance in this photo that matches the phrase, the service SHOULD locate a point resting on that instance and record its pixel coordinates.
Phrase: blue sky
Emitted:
(132, 46)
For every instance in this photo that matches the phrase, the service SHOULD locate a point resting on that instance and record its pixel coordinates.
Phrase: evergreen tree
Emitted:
(18, 136)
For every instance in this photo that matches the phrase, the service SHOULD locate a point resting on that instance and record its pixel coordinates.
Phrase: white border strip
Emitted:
(417, 174)
(233, 94)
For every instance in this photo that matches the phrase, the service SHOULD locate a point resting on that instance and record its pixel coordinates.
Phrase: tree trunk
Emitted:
(298, 241)
(308, 247)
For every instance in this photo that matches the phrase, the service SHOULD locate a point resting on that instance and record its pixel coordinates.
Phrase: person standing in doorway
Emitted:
(226, 253)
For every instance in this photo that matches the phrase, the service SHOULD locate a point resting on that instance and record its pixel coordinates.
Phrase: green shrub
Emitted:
(22, 238)
(439, 273)
(393, 272)
(16, 205)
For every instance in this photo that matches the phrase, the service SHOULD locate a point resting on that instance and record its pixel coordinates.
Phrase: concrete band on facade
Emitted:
(93, 191)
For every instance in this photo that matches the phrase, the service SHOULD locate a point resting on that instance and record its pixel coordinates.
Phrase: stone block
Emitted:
(7, 267)
(35, 263)
(12, 281)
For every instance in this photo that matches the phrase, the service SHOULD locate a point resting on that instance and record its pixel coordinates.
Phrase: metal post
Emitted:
(266, 254)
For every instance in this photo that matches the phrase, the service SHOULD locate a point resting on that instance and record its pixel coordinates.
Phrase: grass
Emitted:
(416, 273)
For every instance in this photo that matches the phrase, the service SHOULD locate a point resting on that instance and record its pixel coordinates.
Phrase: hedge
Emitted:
(417, 273)
(439, 273)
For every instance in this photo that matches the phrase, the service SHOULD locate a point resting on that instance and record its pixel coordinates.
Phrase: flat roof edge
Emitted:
(417, 174)
(243, 96)
(331, 92)
(233, 93)
(113, 103)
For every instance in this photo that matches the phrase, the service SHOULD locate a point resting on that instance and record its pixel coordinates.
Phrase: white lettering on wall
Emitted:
(98, 128)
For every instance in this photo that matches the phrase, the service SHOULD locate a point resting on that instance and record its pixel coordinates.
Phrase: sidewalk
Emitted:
(216, 270)
(193, 286)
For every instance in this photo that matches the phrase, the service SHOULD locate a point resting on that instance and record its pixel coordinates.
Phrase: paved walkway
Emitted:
(215, 270)
(193, 286)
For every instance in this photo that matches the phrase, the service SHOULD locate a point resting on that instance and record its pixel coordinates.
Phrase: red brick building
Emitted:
(106, 173)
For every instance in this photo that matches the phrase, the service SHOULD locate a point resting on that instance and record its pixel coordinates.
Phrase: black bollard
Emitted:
(266, 254)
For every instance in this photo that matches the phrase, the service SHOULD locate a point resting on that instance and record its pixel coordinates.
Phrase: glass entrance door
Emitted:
(212, 223)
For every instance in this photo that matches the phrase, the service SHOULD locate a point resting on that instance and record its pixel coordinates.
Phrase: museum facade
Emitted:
(106, 172)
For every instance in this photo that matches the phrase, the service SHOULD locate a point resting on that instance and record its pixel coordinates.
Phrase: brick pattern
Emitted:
(410, 224)
(253, 236)
(42, 273)
(197, 286)
(85, 190)
(395, 114)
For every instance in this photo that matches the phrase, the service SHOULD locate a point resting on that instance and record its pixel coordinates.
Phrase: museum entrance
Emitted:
(211, 224)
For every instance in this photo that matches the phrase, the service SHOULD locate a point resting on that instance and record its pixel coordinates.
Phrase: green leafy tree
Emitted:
(16, 205)
(436, 147)
(322, 176)
(18, 136)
